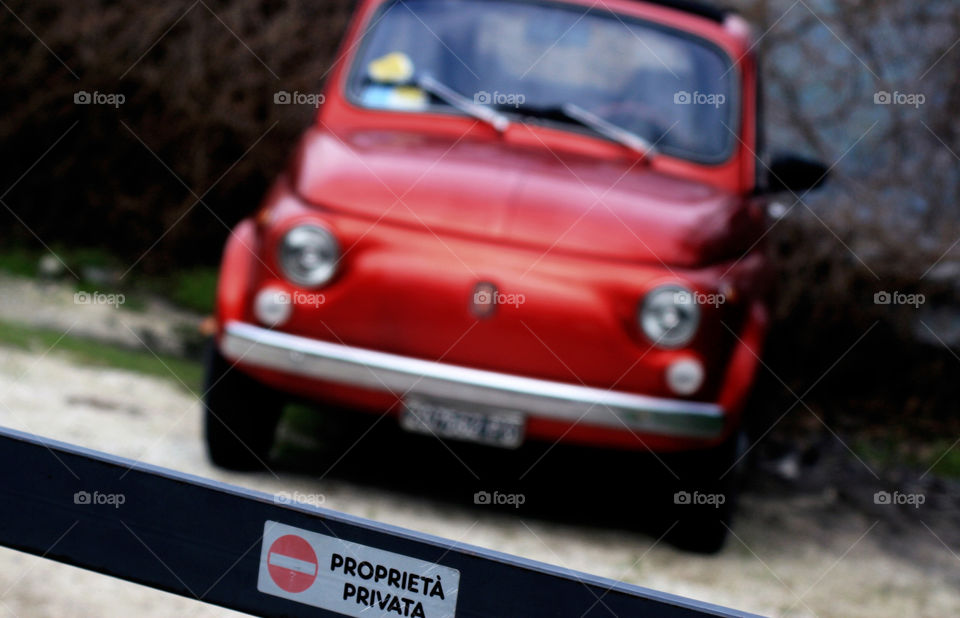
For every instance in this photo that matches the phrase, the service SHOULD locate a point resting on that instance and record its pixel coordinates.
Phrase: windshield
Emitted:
(532, 60)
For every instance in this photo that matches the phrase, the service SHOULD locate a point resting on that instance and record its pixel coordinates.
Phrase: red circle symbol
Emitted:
(292, 563)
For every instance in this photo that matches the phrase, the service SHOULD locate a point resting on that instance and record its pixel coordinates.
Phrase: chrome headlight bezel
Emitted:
(305, 243)
(665, 304)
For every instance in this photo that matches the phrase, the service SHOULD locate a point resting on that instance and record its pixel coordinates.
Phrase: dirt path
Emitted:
(105, 316)
(794, 554)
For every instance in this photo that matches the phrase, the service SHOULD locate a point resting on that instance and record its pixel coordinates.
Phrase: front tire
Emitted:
(240, 415)
(706, 496)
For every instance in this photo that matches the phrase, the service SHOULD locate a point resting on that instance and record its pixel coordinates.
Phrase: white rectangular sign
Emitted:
(353, 579)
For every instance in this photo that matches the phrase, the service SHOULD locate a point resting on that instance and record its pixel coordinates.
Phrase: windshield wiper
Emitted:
(571, 111)
(609, 130)
(492, 117)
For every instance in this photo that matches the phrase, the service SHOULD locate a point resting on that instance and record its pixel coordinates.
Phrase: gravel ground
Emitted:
(793, 554)
(101, 315)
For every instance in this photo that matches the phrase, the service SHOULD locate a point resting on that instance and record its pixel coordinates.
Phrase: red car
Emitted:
(513, 220)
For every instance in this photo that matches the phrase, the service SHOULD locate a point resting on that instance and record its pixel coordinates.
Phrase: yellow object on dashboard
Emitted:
(394, 68)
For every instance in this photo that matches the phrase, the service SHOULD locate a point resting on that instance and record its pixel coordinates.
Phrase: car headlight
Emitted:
(669, 316)
(309, 255)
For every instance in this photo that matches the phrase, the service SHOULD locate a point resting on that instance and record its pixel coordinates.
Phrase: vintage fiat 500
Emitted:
(513, 220)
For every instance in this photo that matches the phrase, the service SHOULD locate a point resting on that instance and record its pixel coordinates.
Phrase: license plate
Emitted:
(451, 420)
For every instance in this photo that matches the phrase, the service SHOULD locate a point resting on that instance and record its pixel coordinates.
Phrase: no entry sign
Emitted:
(353, 579)
(292, 563)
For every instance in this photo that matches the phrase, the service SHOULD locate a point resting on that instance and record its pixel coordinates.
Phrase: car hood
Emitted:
(520, 195)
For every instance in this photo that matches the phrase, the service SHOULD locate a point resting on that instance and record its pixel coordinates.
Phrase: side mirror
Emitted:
(795, 174)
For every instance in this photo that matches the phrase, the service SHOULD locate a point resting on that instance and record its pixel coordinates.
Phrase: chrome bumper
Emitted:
(260, 347)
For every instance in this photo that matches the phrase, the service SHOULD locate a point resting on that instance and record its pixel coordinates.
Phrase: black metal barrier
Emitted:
(239, 549)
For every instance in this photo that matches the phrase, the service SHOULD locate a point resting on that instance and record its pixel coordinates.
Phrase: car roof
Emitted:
(712, 12)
